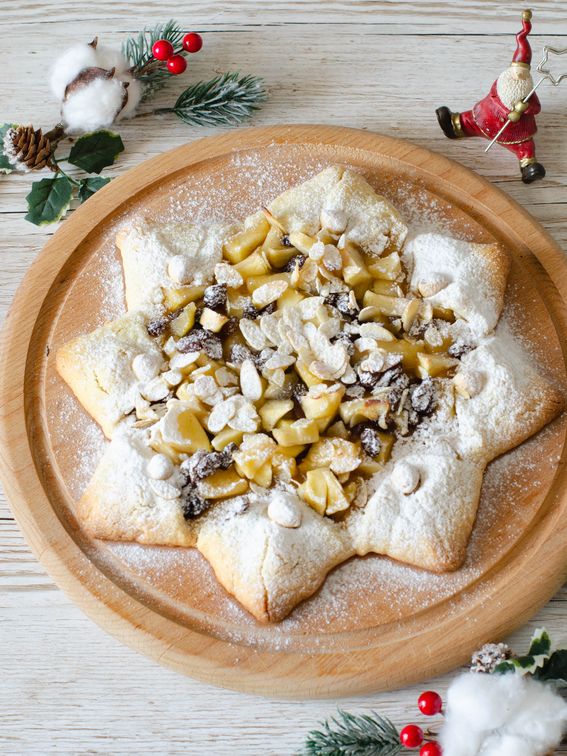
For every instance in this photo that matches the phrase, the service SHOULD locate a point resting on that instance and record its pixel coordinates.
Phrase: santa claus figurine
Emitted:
(505, 103)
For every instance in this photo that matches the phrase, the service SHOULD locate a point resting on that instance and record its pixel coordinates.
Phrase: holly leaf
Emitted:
(90, 185)
(49, 200)
(541, 643)
(5, 165)
(95, 151)
(503, 668)
(555, 668)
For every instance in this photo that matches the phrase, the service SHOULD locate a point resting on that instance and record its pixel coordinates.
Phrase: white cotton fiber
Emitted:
(93, 106)
(68, 66)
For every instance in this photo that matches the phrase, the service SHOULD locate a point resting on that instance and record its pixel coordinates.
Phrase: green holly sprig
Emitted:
(225, 100)
(50, 198)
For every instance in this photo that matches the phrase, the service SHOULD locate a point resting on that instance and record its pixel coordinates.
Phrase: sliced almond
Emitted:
(250, 381)
(268, 292)
(410, 313)
(253, 334)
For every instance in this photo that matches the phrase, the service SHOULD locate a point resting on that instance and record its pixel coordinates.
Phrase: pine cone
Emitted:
(489, 656)
(28, 149)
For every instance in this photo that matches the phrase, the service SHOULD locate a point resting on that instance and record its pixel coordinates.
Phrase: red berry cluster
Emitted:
(176, 64)
(429, 703)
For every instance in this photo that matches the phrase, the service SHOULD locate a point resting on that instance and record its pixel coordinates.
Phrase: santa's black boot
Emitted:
(532, 172)
(445, 118)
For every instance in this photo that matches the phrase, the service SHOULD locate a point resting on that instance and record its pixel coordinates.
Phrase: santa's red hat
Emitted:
(523, 54)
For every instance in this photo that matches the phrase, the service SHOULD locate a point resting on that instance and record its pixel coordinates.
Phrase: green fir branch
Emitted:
(222, 101)
(353, 735)
(138, 51)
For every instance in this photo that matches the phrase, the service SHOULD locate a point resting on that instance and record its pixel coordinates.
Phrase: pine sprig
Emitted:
(353, 735)
(138, 51)
(222, 101)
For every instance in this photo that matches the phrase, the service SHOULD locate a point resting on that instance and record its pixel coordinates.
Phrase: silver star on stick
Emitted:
(543, 68)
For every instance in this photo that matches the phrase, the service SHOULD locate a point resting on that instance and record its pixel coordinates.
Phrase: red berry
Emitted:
(162, 49)
(430, 703)
(176, 64)
(431, 749)
(192, 42)
(411, 736)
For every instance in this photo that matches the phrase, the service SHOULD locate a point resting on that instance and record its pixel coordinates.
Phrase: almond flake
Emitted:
(253, 334)
(180, 361)
(172, 377)
(227, 274)
(146, 366)
(317, 251)
(205, 386)
(270, 325)
(155, 390)
(374, 362)
(279, 360)
(170, 346)
(268, 292)
(250, 381)
(366, 344)
(220, 415)
(376, 331)
(225, 377)
(332, 259)
(309, 306)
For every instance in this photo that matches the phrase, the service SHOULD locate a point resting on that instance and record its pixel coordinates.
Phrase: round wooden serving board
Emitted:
(375, 624)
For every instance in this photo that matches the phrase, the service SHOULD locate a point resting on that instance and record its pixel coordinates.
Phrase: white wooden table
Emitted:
(66, 686)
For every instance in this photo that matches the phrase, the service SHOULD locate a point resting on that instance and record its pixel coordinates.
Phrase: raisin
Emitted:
(249, 311)
(230, 327)
(341, 301)
(390, 376)
(422, 397)
(358, 429)
(201, 464)
(370, 442)
(157, 327)
(459, 349)
(299, 259)
(269, 309)
(298, 390)
(366, 379)
(201, 340)
(343, 338)
(215, 297)
(192, 505)
(239, 353)
(285, 241)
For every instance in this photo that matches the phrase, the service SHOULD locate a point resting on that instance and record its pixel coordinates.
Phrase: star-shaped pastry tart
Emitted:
(307, 385)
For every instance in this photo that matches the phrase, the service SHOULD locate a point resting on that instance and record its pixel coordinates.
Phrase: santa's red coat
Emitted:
(490, 114)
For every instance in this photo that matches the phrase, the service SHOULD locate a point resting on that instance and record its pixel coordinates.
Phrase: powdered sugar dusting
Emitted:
(363, 592)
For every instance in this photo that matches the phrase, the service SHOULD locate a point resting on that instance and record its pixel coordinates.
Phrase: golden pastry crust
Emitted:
(98, 367)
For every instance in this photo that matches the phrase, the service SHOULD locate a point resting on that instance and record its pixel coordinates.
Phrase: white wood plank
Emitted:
(67, 687)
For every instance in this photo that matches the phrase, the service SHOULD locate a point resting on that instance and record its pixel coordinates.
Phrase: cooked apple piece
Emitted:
(387, 441)
(255, 450)
(336, 500)
(358, 410)
(321, 404)
(243, 244)
(235, 302)
(369, 466)
(173, 299)
(314, 490)
(410, 314)
(290, 298)
(338, 430)
(306, 375)
(209, 366)
(291, 451)
(273, 410)
(443, 313)
(273, 221)
(387, 305)
(183, 431)
(354, 270)
(389, 288)
(254, 282)
(212, 320)
(337, 454)
(408, 349)
(301, 242)
(223, 484)
(263, 476)
(279, 257)
(184, 322)
(299, 432)
(274, 239)
(225, 437)
(193, 403)
(435, 365)
(387, 268)
(254, 265)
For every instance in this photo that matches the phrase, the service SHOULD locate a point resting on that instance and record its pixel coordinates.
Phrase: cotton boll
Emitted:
(457, 740)
(68, 66)
(93, 106)
(108, 57)
(541, 715)
(134, 96)
(508, 745)
(481, 702)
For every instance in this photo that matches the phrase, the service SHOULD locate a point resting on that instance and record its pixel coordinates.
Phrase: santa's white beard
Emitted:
(511, 90)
